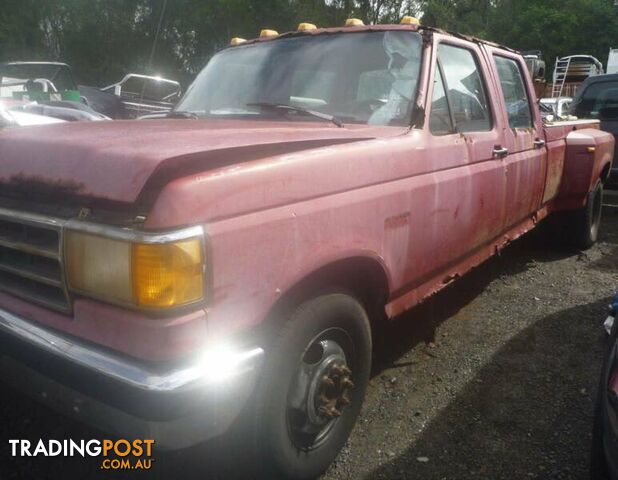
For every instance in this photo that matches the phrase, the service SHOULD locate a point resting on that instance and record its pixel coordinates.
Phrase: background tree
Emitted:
(104, 39)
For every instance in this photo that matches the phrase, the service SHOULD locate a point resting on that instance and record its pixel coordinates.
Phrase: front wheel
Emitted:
(315, 377)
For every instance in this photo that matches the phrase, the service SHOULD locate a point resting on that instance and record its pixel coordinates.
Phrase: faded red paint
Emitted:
(113, 160)
(280, 201)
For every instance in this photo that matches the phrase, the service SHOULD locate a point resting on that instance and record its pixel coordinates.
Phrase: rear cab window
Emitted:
(514, 92)
(459, 102)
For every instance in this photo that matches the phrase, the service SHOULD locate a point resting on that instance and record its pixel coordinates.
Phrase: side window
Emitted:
(440, 118)
(514, 91)
(465, 91)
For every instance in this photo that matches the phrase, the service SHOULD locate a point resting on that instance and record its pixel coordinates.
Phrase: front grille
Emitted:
(31, 259)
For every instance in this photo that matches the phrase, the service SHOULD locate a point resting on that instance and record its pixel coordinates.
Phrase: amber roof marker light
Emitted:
(237, 41)
(268, 33)
(408, 20)
(306, 27)
(354, 22)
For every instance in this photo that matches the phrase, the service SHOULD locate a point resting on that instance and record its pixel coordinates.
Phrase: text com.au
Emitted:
(120, 454)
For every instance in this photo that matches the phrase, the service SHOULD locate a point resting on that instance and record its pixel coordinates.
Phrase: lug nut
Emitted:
(329, 382)
(325, 412)
(329, 412)
(347, 383)
(337, 370)
(344, 400)
(346, 370)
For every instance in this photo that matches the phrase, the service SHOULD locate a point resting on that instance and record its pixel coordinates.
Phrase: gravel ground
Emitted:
(493, 378)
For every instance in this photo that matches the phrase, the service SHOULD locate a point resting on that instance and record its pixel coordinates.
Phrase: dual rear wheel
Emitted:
(586, 222)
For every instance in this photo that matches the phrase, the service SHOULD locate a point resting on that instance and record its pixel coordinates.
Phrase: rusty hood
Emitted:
(116, 161)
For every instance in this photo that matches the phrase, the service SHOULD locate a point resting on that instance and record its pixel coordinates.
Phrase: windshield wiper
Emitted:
(313, 113)
(181, 114)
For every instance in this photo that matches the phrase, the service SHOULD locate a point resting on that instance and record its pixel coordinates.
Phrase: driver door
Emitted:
(466, 209)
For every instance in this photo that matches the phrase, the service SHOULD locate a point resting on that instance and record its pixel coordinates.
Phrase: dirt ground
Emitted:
(496, 377)
(493, 378)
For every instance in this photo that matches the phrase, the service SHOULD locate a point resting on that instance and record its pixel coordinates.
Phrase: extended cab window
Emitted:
(464, 88)
(514, 91)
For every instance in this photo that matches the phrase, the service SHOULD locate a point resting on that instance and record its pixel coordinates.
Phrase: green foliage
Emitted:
(104, 39)
(556, 27)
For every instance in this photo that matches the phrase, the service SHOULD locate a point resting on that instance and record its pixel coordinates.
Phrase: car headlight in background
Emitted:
(143, 274)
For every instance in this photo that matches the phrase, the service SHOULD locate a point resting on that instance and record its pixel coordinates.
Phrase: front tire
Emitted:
(314, 382)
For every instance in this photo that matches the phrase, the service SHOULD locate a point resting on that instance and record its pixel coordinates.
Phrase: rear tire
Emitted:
(585, 223)
(302, 420)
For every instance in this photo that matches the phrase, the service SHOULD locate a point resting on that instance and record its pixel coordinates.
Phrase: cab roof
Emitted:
(373, 28)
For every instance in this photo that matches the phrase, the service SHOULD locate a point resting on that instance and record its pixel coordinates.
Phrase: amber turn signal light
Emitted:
(167, 274)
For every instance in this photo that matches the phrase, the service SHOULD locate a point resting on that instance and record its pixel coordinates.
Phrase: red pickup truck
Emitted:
(172, 278)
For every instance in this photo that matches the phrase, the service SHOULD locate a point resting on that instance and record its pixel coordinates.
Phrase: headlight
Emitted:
(149, 275)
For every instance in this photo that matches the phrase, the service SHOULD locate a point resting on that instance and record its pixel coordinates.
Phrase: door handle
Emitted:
(500, 152)
(539, 143)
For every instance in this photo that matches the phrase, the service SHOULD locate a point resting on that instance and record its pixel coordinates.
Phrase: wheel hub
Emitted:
(320, 391)
(333, 391)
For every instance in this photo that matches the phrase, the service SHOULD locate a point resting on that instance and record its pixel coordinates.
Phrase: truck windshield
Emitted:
(365, 77)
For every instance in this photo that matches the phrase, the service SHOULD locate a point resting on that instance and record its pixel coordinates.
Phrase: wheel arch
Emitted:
(365, 276)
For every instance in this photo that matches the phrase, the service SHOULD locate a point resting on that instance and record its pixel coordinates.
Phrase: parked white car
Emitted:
(559, 106)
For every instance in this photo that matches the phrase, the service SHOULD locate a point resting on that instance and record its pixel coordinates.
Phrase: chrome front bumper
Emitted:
(178, 406)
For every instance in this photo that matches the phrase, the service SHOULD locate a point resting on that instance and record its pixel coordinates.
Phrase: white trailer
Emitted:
(612, 61)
